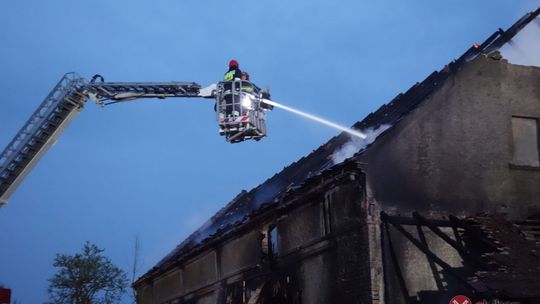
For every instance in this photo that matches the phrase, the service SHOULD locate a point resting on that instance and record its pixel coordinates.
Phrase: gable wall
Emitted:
(454, 152)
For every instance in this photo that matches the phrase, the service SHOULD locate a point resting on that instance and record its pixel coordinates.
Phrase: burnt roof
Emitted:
(501, 259)
(515, 259)
(243, 206)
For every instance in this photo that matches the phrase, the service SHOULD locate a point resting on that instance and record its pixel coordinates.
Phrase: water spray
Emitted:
(317, 119)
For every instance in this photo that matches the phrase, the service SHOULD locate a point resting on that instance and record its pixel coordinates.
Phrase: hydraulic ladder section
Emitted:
(125, 91)
(40, 132)
(63, 104)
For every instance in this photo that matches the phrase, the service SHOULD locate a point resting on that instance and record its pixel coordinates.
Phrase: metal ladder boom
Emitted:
(40, 132)
(125, 91)
(62, 105)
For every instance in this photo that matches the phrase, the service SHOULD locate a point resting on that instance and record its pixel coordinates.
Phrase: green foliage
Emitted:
(86, 278)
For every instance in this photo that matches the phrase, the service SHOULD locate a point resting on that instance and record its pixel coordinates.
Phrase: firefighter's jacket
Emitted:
(232, 74)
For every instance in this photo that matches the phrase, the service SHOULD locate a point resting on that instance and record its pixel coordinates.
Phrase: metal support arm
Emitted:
(124, 91)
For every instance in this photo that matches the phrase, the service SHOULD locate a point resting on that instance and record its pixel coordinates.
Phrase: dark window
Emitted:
(272, 241)
(327, 216)
(525, 145)
(269, 246)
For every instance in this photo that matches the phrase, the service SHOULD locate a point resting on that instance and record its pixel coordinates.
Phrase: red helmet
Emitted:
(233, 64)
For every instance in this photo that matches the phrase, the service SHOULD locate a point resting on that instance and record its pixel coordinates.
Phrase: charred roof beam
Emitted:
(388, 219)
(456, 245)
(474, 232)
(395, 263)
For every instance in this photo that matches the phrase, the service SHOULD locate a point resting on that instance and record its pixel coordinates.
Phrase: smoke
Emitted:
(524, 48)
(356, 144)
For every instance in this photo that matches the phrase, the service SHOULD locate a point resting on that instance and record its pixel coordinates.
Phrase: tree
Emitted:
(86, 278)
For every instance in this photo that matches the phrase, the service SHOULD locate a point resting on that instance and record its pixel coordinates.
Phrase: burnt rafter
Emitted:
(386, 237)
(449, 269)
(466, 254)
(453, 222)
(505, 258)
(475, 232)
(516, 258)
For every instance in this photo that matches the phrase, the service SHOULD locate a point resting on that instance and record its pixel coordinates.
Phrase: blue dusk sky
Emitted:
(157, 170)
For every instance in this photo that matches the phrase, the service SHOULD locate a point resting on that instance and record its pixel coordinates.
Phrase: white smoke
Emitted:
(524, 48)
(356, 144)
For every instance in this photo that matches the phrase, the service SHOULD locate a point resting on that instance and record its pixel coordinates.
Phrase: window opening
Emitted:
(525, 150)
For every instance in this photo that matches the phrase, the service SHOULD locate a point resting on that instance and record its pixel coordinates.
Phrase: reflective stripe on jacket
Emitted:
(232, 75)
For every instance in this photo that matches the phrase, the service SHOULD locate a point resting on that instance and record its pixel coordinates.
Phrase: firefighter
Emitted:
(234, 73)
(247, 86)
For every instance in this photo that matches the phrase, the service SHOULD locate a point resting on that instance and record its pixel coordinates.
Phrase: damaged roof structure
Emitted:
(456, 152)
